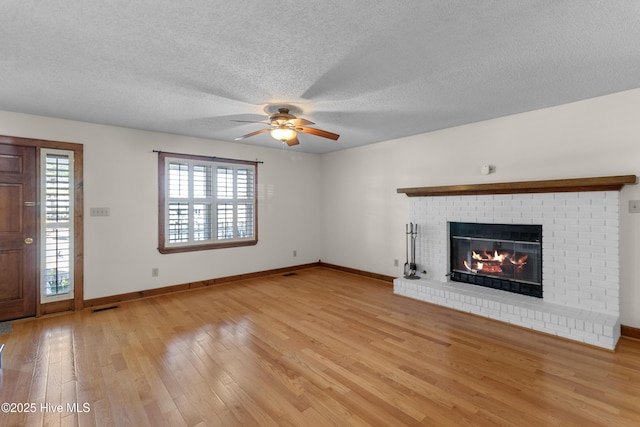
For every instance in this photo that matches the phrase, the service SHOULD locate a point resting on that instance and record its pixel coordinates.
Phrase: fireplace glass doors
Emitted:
(500, 256)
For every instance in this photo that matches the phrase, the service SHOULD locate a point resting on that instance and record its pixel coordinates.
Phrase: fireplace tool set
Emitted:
(410, 268)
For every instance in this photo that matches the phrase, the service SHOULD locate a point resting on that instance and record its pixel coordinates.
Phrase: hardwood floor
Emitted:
(321, 347)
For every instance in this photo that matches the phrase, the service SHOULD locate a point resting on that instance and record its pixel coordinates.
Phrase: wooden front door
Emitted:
(18, 239)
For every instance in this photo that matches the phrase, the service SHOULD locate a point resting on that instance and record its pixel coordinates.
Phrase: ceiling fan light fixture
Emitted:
(283, 133)
(285, 128)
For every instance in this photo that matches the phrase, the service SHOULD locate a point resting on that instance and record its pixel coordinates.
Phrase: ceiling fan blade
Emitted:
(250, 121)
(318, 132)
(252, 134)
(300, 122)
(293, 141)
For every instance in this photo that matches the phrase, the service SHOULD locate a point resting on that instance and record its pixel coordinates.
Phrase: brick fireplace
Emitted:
(580, 255)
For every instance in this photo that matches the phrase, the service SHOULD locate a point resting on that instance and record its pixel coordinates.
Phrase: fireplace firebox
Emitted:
(499, 256)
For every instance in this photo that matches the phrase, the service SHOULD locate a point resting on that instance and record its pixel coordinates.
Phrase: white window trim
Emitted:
(44, 298)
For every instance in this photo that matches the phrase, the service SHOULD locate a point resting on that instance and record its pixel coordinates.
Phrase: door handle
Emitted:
(28, 240)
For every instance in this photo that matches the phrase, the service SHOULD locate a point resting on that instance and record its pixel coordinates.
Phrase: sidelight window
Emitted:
(57, 224)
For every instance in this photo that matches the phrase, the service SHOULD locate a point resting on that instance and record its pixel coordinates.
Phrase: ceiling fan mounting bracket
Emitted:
(274, 108)
(281, 117)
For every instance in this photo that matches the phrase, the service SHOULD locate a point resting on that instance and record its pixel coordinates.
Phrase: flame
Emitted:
(496, 257)
(492, 263)
(520, 261)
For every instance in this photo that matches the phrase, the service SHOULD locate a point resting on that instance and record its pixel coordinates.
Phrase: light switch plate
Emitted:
(99, 211)
(634, 206)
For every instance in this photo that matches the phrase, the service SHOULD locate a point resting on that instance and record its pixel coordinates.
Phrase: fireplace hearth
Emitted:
(580, 247)
(500, 256)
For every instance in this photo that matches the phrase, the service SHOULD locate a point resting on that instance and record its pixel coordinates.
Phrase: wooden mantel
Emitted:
(604, 183)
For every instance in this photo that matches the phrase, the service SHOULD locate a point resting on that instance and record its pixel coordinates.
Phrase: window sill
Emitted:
(206, 247)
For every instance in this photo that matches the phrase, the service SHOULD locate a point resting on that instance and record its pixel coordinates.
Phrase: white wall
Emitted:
(341, 207)
(120, 172)
(364, 217)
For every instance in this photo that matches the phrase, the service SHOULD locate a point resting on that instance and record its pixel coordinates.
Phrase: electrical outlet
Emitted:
(396, 263)
(155, 271)
(634, 206)
(295, 253)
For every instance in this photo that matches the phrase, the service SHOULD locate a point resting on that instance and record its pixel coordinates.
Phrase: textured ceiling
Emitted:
(369, 71)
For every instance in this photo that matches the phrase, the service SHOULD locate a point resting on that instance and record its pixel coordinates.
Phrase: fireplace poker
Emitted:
(411, 232)
(406, 250)
(413, 267)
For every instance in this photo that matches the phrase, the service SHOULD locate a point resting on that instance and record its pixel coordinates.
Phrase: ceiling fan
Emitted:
(285, 128)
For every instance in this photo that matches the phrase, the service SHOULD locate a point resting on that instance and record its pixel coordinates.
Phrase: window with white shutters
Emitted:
(57, 225)
(205, 203)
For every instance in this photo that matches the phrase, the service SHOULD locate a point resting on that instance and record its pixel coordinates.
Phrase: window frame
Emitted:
(164, 246)
(45, 225)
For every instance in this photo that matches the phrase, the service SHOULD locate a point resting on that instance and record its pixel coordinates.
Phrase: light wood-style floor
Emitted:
(318, 348)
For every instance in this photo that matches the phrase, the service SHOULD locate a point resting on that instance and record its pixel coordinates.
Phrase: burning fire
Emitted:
(495, 263)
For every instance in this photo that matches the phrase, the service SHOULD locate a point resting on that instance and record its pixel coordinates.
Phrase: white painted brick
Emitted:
(557, 328)
(598, 328)
(606, 342)
(588, 327)
(511, 318)
(567, 196)
(578, 227)
(598, 306)
(572, 286)
(612, 307)
(591, 339)
(601, 214)
(608, 330)
(590, 195)
(594, 277)
(613, 292)
(611, 250)
(571, 273)
(593, 230)
(599, 239)
(537, 325)
(562, 321)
